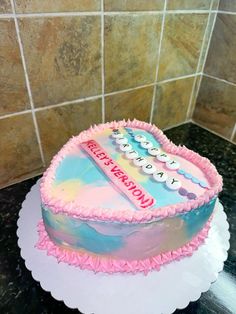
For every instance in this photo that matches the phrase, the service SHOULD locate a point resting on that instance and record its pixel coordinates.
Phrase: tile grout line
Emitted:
(27, 82)
(233, 133)
(190, 105)
(79, 100)
(219, 79)
(176, 125)
(177, 78)
(6, 16)
(91, 13)
(57, 14)
(87, 13)
(226, 12)
(158, 62)
(129, 89)
(15, 114)
(211, 131)
(102, 61)
(69, 102)
(187, 11)
(157, 12)
(132, 12)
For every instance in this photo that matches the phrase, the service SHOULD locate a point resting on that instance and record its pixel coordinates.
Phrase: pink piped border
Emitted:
(146, 215)
(108, 265)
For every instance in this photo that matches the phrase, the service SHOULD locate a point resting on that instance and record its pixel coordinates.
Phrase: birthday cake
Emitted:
(121, 197)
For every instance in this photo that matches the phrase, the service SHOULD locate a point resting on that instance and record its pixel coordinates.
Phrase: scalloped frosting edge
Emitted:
(84, 260)
(104, 214)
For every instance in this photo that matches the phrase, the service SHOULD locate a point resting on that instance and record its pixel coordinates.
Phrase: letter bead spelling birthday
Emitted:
(140, 161)
(173, 183)
(149, 169)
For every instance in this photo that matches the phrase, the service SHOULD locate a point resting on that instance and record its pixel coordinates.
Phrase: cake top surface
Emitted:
(127, 171)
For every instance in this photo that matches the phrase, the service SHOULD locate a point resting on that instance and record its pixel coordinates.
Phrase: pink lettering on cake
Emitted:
(134, 191)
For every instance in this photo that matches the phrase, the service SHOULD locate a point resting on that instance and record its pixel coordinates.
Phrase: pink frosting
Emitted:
(109, 265)
(106, 214)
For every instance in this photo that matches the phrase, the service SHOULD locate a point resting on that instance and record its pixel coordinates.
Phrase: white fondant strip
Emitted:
(135, 192)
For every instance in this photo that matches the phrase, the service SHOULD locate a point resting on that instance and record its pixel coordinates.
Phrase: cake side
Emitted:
(134, 219)
(126, 241)
(107, 264)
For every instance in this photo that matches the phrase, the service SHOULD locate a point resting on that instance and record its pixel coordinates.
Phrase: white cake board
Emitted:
(173, 287)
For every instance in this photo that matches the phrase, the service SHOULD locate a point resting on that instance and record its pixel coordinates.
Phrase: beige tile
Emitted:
(63, 57)
(205, 44)
(21, 156)
(57, 125)
(131, 45)
(215, 107)
(196, 87)
(130, 105)
(221, 61)
(171, 103)
(5, 6)
(41, 6)
(180, 49)
(12, 82)
(227, 5)
(188, 4)
(131, 5)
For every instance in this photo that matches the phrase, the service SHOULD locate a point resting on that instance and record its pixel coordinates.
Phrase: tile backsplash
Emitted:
(20, 155)
(180, 50)
(13, 92)
(63, 57)
(44, 6)
(131, 104)
(174, 99)
(215, 106)
(65, 65)
(131, 5)
(57, 124)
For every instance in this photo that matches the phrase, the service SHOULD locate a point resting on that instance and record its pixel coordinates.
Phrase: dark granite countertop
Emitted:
(20, 293)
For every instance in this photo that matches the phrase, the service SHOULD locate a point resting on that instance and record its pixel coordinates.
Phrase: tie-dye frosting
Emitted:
(85, 212)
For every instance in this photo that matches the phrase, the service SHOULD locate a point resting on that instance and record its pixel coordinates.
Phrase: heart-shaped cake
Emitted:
(120, 197)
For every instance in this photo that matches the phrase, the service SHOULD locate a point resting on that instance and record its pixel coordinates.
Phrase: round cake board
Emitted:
(164, 291)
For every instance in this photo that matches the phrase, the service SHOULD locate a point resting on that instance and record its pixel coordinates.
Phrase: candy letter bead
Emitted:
(117, 135)
(149, 168)
(125, 147)
(122, 140)
(173, 184)
(146, 144)
(131, 154)
(163, 157)
(172, 165)
(160, 176)
(140, 161)
(154, 151)
(191, 196)
(140, 138)
(183, 192)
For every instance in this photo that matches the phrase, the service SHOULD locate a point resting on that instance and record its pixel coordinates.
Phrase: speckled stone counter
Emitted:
(19, 293)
